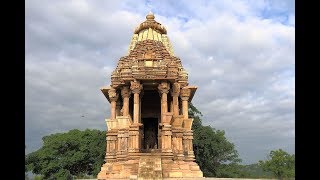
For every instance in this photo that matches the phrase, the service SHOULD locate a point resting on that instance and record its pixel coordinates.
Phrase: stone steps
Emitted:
(150, 167)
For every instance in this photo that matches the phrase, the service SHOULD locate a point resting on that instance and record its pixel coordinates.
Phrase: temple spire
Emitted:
(150, 16)
(150, 29)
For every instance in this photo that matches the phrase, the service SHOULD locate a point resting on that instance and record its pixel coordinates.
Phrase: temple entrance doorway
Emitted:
(150, 132)
(150, 118)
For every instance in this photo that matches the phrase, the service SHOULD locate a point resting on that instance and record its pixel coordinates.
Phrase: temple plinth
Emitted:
(149, 132)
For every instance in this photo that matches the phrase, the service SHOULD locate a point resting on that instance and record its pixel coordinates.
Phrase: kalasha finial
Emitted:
(150, 16)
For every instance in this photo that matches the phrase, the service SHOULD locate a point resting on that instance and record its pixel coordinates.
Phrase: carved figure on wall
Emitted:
(176, 88)
(164, 87)
(136, 87)
(149, 54)
(113, 94)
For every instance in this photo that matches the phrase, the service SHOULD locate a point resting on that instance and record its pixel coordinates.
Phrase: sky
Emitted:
(240, 55)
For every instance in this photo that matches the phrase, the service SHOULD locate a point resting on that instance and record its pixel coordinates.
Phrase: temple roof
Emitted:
(150, 60)
(150, 57)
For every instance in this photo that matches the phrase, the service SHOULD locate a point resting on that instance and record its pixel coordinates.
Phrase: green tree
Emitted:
(232, 170)
(25, 167)
(280, 163)
(255, 171)
(64, 155)
(214, 153)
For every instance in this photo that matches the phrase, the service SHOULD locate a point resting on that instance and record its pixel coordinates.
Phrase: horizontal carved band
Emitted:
(123, 135)
(166, 133)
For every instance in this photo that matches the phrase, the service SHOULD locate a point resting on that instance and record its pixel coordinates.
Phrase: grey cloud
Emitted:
(59, 93)
(66, 30)
(246, 80)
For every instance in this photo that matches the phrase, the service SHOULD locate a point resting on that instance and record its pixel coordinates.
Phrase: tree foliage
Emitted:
(280, 163)
(232, 170)
(214, 153)
(255, 171)
(64, 155)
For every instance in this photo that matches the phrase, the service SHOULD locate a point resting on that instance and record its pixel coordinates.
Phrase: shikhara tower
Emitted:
(149, 131)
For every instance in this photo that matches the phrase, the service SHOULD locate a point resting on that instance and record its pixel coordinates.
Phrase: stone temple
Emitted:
(149, 133)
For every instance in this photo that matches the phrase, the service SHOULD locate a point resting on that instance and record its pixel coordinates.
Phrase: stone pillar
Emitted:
(163, 90)
(134, 135)
(166, 133)
(141, 127)
(175, 91)
(136, 88)
(187, 124)
(123, 132)
(125, 93)
(111, 136)
(177, 131)
(118, 108)
(184, 95)
(113, 96)
(166, 136)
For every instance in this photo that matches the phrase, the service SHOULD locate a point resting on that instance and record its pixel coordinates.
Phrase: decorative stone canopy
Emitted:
(149, 132)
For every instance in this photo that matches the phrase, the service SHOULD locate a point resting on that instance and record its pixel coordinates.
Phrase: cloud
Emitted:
(59, 93)
(240, 54)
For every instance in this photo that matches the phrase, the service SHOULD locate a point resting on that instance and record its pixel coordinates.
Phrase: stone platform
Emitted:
(150, 166)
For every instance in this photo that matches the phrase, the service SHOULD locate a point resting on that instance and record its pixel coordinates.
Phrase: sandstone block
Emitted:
(175, 174)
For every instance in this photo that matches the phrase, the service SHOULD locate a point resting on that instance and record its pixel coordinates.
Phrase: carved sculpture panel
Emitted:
(149, 58)
(135, 87)
(113, 95)
(164, 87)
(175, 89)
(125, 92)
(185, 94)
